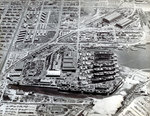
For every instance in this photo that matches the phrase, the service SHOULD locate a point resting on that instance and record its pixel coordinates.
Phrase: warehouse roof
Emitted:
(111, 17)
(123, 22)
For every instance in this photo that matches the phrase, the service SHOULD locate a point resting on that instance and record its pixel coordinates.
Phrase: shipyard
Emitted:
(74, 57)
(97, 72)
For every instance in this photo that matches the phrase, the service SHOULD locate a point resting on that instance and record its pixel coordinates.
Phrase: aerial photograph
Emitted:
(74, 57)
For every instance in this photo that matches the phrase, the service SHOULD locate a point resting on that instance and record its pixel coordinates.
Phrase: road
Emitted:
(13, 38)
(81, 27)
(46, 103)
(131, 93)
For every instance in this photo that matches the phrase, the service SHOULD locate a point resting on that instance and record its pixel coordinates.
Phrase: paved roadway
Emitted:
(13, 38)
(55, 39)
(130, 97)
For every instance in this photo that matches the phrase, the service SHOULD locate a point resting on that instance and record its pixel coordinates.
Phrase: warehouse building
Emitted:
(111, 17)
(124, 22)
(68, 64)
(53, 73)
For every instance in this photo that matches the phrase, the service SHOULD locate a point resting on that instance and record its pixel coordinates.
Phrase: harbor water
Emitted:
(138, 58)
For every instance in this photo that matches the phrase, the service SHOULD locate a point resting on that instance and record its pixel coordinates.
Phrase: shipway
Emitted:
(53, 91)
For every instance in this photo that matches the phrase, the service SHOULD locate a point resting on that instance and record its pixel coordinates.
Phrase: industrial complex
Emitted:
(74, 57)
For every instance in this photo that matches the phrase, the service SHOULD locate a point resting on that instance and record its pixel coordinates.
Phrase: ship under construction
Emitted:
(95, 71)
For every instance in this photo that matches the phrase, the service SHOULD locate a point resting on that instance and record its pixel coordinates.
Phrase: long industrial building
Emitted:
(124, 22)
(111, 17)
